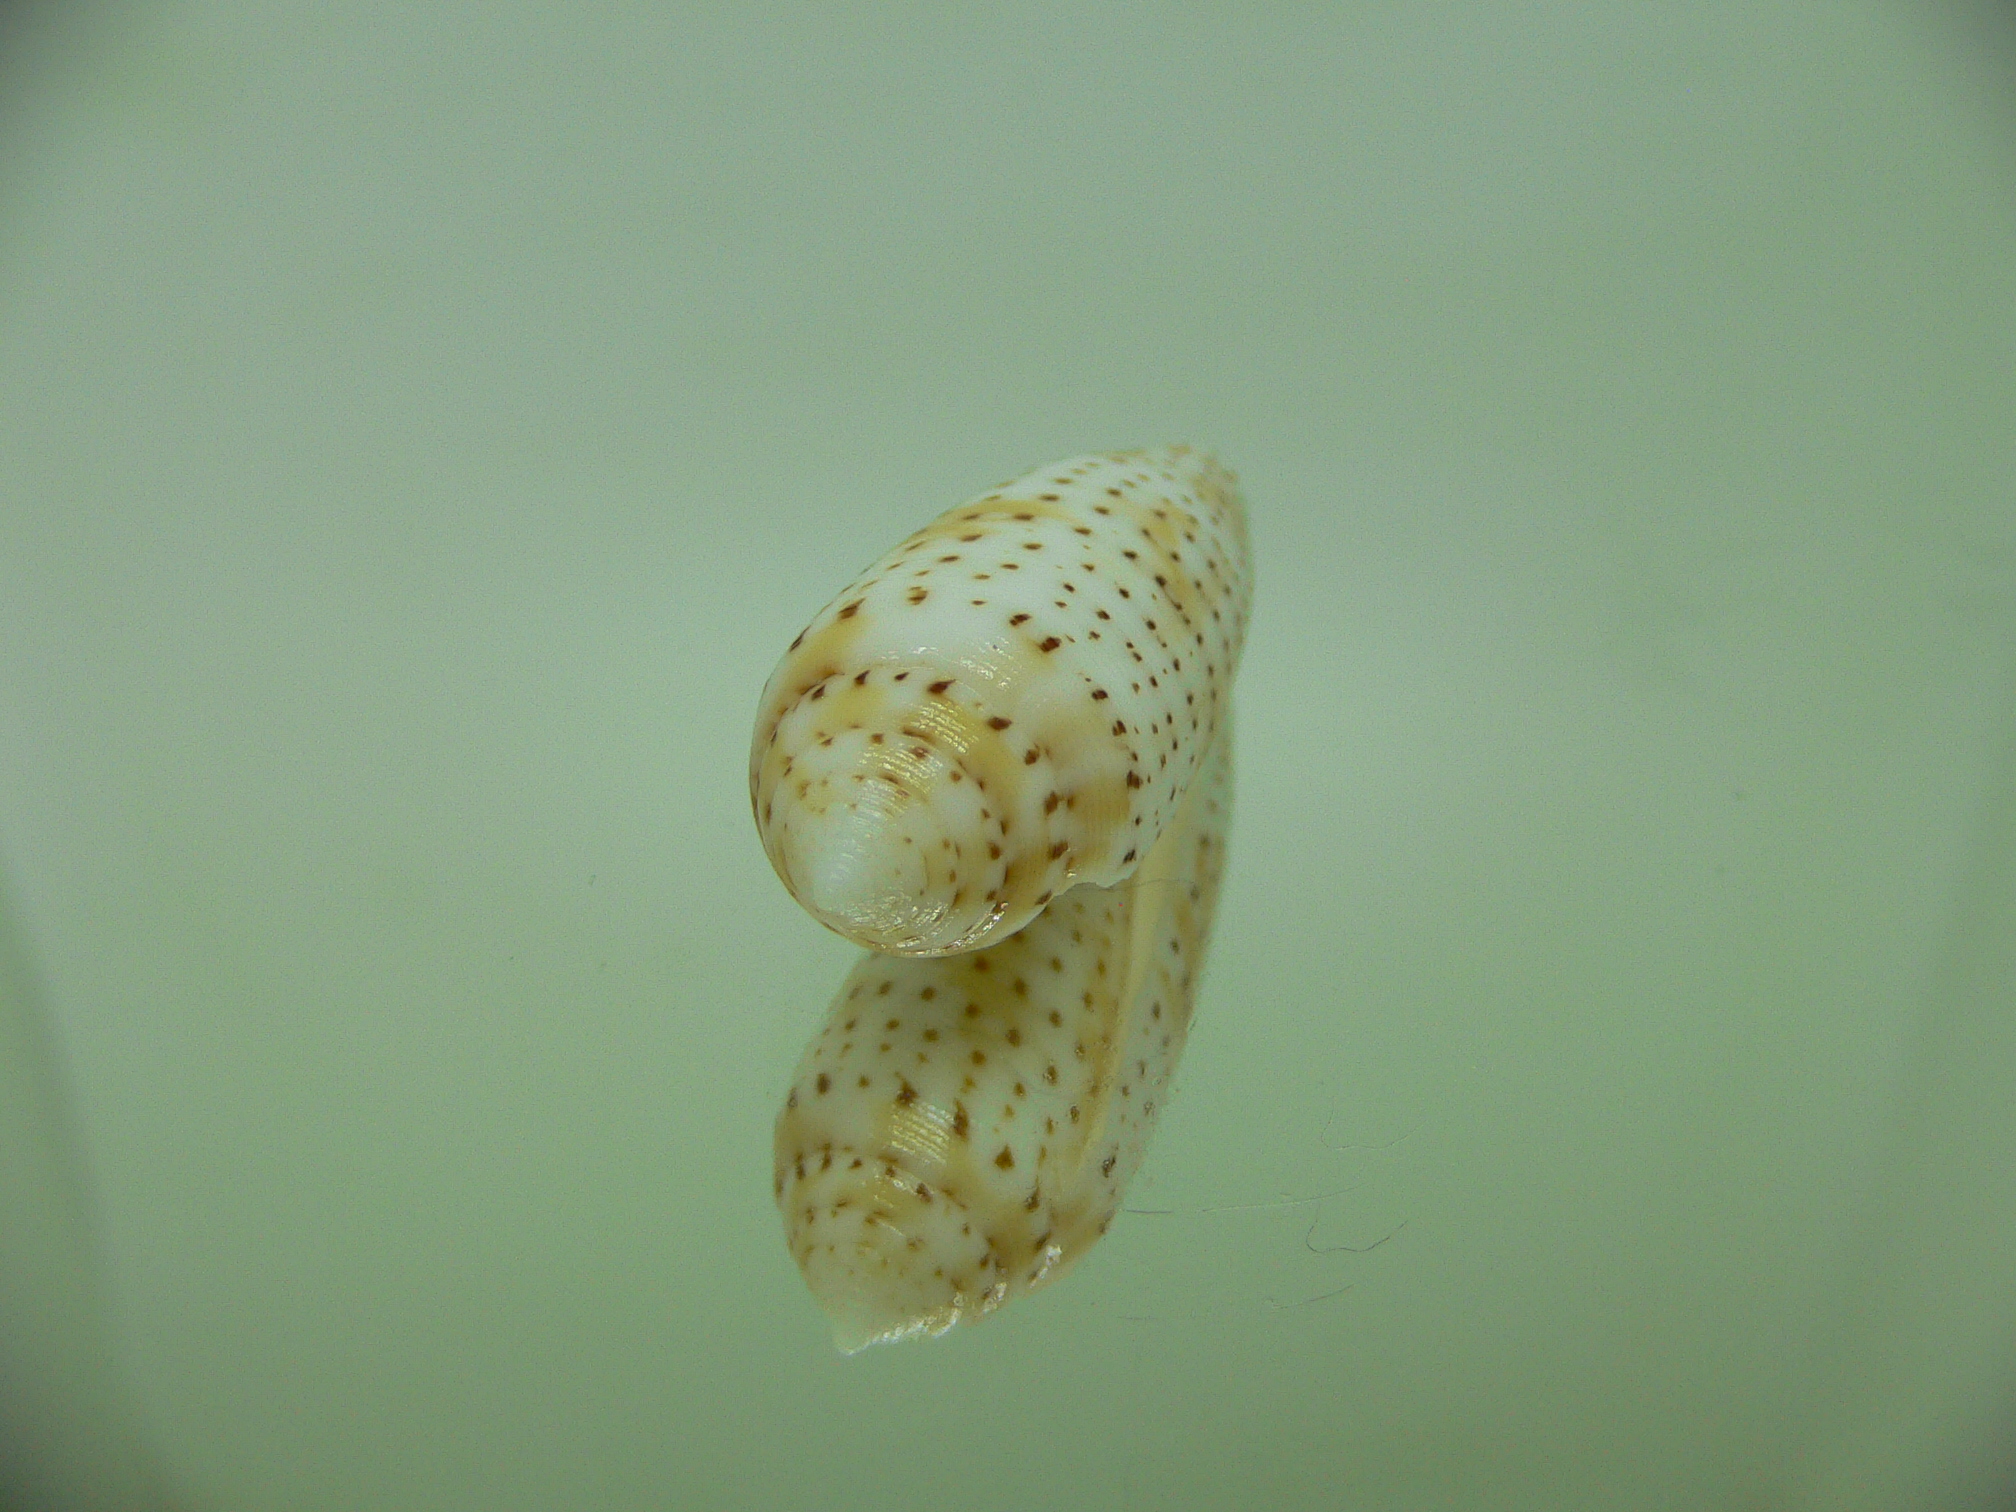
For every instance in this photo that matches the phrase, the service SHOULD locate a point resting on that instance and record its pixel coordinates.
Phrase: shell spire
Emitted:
(1010, 703)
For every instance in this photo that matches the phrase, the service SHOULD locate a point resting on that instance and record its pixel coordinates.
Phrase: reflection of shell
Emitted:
(963, 1128)
(1009, 703)
(1030, 694)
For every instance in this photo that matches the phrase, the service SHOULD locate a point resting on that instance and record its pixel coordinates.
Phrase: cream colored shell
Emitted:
(1008, 704)
(1003, 757)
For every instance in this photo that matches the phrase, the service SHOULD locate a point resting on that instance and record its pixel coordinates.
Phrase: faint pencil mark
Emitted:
(1275, 1306)
(1339, 1149)
(1280, 1202)
(1309, 1241)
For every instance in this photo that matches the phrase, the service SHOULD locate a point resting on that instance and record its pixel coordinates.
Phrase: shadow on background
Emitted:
(1923, 1390)
(67, 1433)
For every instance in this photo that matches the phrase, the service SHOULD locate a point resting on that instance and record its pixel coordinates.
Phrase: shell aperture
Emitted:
(1002, 760)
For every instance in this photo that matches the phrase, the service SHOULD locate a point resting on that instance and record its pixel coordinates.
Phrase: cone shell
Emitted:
(1011, 703)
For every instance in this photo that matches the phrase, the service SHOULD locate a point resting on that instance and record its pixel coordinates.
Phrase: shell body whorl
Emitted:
(1010, 703)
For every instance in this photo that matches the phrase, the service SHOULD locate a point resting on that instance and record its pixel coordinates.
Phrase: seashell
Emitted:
(965, 1123)
(1010, 703)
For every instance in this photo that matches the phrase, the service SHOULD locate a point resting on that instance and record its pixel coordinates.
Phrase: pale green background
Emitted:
(423, 426)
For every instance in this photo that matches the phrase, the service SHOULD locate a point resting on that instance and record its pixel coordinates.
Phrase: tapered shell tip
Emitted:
(863, 870)
(860, 1257)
